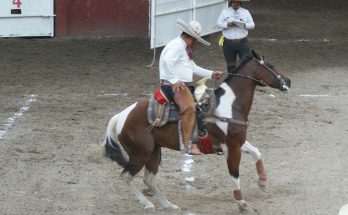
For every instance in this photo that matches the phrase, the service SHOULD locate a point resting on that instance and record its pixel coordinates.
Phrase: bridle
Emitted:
(283, 86)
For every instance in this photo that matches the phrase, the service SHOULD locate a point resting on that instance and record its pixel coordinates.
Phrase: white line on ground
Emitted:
(308, 95)
(114, 94)
(4, 128)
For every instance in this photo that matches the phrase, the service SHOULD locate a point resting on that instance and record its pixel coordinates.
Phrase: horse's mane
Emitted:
(244, 61)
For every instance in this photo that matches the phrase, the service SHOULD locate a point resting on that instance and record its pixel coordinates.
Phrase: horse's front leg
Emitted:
(255, 153)
(233, 161)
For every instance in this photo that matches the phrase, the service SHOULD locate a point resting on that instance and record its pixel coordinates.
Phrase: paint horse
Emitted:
(133, 146)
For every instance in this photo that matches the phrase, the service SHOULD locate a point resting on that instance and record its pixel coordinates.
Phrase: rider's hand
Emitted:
(177, 86)
(231, 24)
(217, 74)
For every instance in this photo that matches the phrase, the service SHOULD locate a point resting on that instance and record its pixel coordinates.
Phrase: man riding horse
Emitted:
(134, 146)
(176, 68)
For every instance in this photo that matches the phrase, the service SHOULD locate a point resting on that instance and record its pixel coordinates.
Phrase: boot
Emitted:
(195, 150)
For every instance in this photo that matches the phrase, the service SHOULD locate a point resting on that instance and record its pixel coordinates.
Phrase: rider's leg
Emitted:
(183, 98)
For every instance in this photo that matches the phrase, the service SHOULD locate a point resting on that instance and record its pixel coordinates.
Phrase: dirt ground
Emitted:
(57, 96)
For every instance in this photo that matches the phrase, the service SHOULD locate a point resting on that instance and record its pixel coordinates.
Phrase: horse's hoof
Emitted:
(262, 183)
(246, 208)
(148, 192)
(173, 209)
(243, 205)
(149, 210)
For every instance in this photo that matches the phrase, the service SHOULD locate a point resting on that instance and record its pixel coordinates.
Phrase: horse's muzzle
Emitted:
(284, 87)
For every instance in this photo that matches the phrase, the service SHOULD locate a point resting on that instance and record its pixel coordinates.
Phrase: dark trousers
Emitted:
(234, 48)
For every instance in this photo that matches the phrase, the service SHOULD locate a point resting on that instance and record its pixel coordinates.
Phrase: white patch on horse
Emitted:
(224, 109)
(149, 179)
(116, 125)
(224, 149)
(236, 183)
(123, 117)
(140, 196)
(252, 150)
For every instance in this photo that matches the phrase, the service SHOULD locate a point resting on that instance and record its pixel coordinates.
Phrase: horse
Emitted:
(133, 146)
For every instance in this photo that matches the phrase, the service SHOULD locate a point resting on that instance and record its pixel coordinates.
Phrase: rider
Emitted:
(235, 22)
(176, 69)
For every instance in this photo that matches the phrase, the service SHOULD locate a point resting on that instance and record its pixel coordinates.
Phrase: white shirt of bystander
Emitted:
(228, 15)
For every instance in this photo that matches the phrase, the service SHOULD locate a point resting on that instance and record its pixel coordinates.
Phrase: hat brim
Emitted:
(187, 29)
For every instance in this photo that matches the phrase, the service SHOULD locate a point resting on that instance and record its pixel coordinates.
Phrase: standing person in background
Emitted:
(235, 22)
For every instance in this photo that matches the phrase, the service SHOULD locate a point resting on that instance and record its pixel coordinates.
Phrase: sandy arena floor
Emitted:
(57, 96)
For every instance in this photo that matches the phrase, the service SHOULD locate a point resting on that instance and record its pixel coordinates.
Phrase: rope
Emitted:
(153, 59)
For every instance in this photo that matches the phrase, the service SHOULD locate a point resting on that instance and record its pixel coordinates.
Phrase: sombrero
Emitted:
(193, 29)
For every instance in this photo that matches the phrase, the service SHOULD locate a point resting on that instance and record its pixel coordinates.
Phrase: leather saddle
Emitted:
(159, 114)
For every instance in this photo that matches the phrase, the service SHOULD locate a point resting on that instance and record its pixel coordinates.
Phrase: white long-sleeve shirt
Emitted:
(228, 15)
(175, 65)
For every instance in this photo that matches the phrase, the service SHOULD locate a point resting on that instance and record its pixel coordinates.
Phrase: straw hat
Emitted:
(193, 29)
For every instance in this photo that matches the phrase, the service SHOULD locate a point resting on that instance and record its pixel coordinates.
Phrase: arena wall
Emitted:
(94, 18)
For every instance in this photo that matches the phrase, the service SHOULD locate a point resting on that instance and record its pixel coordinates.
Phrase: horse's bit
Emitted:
(283, 86)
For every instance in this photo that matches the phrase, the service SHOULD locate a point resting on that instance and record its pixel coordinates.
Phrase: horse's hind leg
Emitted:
(151, 169)
(255, 153)
(148, 206)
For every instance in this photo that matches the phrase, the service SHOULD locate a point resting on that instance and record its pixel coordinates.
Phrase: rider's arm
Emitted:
(201, 71)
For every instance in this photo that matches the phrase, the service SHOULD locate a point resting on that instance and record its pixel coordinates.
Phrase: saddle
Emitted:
(160, 114)
(162, 111)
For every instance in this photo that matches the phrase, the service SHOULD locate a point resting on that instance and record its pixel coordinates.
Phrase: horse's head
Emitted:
(268, 75)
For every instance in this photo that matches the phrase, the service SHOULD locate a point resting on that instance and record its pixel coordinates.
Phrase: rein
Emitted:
(260, 63)
(248, 77)
(231, 120)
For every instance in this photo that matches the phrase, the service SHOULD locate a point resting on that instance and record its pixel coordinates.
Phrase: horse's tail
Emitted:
(113, 148)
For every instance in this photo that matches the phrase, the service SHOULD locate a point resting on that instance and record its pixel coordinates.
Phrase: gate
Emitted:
(164, 13)
(26, 18)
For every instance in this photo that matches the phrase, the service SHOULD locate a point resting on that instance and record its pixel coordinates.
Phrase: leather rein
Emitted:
(260, 63)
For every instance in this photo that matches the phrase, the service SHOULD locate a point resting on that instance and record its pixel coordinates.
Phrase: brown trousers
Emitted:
(184, 99)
